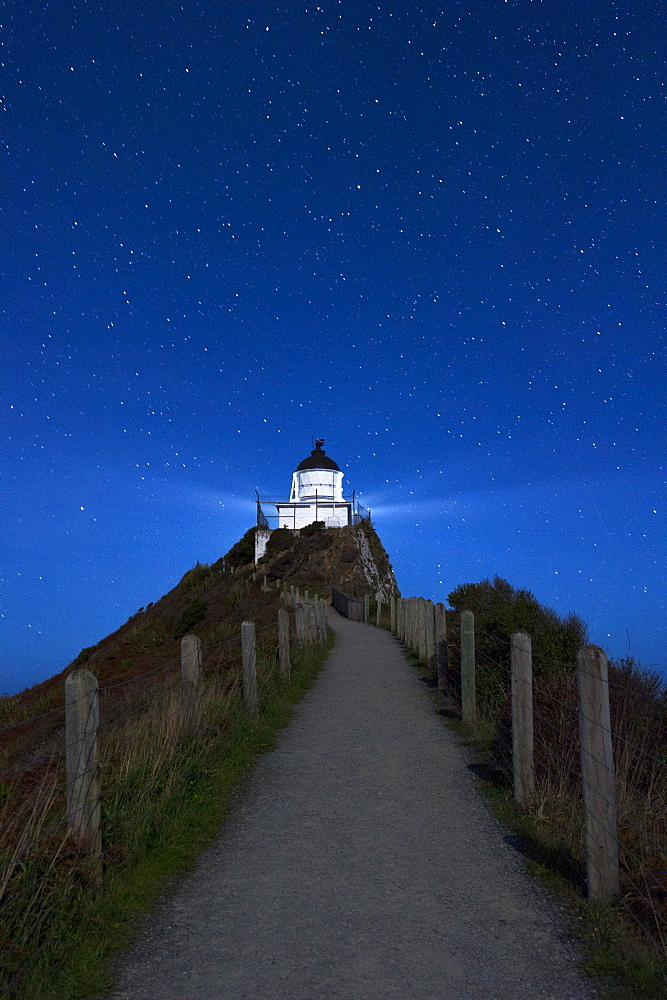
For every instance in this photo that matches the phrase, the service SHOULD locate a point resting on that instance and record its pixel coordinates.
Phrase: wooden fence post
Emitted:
(249, 659)
(441, 658)
(191, 683)
(392, 615)
(597, 774)
(367, 603)
(322, 609)
(82, 719)
(421, 628)
(378, 609)
(468, 698)
(299, 625)
(283, 642)
(429, 623)
(309, 614)
(523, 767)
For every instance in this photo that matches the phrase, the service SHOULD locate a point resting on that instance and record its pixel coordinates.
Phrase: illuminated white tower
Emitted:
(316, 495)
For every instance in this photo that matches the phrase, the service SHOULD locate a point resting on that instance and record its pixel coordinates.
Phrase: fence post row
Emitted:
(249, 660)
(367, 602)
(421, 626)
(191, 683)
(468, 695)
(82, 719)
(522, 717)
(378, 609)
(597, 774)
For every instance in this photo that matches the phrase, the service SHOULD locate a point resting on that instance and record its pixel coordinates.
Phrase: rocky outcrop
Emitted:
(352, 559)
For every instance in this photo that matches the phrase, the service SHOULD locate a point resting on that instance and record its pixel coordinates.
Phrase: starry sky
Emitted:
(432, 234)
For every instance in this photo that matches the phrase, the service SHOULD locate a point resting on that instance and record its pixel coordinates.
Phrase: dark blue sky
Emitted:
(433, 235)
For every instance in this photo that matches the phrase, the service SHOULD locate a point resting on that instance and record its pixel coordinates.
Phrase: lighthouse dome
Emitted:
(317, 459)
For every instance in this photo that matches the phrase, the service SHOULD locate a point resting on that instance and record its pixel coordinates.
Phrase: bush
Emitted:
(279, 540)
(243, 552)
(200, 577)
(312, 528)
(195, 612)
(83, 657)
(500, 609)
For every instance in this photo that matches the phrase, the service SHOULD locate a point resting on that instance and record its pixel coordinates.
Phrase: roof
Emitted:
(317, 460)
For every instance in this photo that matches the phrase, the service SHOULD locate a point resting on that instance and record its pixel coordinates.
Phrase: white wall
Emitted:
(299, 515)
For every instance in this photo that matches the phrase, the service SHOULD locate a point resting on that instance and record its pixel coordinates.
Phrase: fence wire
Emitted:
(641, 824)
(140, 733)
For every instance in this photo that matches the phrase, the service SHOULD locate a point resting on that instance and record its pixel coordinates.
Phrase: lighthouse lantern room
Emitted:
(316, 494)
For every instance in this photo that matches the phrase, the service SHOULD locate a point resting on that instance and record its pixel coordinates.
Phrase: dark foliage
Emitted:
(312, 528)
(195, 612)
(279, 540)
(82, 658)
(243, 552)
(500, 609)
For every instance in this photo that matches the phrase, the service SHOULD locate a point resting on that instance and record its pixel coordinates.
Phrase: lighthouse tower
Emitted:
(316, 495)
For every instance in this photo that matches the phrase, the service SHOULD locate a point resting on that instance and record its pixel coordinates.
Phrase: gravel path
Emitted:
(359, 863)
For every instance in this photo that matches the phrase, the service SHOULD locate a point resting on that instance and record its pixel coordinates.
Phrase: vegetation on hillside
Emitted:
(163, 791)
(627, 946)
(500, 609)
(317, 558)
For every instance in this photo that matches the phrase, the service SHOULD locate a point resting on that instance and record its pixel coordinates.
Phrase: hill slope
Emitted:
(210, 601)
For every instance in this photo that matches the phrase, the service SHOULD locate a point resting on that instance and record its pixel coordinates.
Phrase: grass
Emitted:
(619, 952)
(164, 798)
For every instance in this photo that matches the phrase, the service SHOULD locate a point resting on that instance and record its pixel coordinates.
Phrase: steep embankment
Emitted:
(211, 601)
(351, 558)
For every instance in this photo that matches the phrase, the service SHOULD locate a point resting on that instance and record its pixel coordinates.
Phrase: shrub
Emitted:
(279, 540)
(147, 636)
(243, 552)
(83, 657)
(311, 529)
(500, 609)
(195, 612)
(200, 577)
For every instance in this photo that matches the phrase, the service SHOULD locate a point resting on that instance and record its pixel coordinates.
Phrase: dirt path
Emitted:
(359, 864)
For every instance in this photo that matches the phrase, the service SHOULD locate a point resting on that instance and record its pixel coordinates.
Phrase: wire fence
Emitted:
(83, 784)
(596, 769)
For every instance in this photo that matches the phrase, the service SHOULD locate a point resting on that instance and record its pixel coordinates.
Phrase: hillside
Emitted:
(352, 559)
(164, 782)
(210, 601)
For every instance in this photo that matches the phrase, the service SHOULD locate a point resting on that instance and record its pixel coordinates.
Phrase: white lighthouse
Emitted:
(316, 494)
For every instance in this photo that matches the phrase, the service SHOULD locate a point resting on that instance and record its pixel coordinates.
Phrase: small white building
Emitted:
(316, 495)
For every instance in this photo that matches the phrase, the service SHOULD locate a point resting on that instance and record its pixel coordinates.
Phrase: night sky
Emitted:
(432, 234)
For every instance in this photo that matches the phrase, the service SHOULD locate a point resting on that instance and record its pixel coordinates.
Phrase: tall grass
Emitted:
(164, 794)
(626, 942)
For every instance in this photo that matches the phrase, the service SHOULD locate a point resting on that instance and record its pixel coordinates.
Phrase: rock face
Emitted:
(351, 558)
